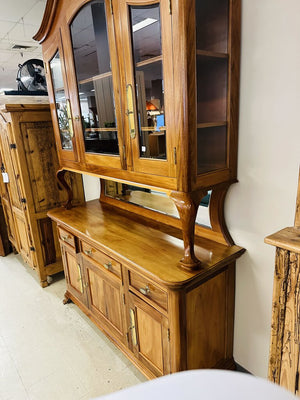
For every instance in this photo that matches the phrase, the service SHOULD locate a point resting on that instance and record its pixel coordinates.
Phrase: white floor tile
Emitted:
(49, 350)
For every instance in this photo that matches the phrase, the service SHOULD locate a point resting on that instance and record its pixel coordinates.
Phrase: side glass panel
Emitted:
(212, 75)
(148, 69)
(62, 108)
(94, 77)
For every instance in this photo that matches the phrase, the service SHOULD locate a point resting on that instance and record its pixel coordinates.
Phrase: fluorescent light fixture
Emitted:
(143, 24)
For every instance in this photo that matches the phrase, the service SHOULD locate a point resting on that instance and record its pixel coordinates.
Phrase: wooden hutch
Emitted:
(144, 94)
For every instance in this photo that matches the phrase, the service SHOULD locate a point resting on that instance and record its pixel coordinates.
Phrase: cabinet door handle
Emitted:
(145, 291)
(88, 252)
(130, 110)
(69, 115)
(132, 327)
(108, 265)
(80, 277)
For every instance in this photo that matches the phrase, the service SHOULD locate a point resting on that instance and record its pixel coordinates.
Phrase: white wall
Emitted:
(263, 201)
(269, 156)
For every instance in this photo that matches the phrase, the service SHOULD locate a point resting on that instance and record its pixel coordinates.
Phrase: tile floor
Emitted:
(49, 351)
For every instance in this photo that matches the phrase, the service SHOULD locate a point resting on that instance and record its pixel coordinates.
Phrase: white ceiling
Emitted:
(19, 21)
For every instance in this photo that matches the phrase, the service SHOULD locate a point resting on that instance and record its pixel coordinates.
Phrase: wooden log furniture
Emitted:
(285, 329)
(145, 93)
(29, 187)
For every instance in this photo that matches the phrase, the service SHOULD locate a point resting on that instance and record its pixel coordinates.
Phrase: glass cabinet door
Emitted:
(148, 57)
(212, 21)
(97, 84)
(62, 104)
(59, 101)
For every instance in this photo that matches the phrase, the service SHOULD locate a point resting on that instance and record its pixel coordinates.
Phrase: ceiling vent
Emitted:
(23, 47)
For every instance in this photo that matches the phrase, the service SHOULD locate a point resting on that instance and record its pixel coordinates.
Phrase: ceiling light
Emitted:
(143, 24)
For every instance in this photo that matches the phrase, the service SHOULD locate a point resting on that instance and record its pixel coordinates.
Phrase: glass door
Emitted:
(148, 62)
(97, 106)
(60, 101)
(212, 27)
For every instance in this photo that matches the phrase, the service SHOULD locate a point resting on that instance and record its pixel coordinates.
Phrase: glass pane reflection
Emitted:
(61, 104)
(147, 53)
(94, 77)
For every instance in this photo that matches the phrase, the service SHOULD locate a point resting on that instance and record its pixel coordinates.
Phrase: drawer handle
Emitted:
(65, 238)
(108, 265)
(88, 252)
(145, 291)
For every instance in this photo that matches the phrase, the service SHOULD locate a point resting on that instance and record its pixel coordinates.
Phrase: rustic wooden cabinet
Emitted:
(124, 275)
(146, 91)
(29, 187)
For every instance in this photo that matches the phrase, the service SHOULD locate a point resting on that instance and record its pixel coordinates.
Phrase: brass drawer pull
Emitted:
(88, 252)
(65, 238)
(145, 291)
(108, 265)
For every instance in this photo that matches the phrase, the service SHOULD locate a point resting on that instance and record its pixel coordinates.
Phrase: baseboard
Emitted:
(239, 368)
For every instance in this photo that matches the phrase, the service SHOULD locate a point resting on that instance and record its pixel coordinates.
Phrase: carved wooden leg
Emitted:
(187, 205)
(61, 178)
(216, 213)
(44, 283)
(66, 299)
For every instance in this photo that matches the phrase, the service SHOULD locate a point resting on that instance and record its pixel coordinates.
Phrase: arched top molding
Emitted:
(49, 14)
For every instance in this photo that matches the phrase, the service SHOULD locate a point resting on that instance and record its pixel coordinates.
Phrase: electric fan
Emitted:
(31, 77)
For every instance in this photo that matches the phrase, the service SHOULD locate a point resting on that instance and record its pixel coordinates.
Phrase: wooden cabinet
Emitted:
(29, 187)
(124, 275)
(146, 92)
(150, 336)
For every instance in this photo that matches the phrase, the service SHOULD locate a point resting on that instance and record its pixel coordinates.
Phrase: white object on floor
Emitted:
(204, 385)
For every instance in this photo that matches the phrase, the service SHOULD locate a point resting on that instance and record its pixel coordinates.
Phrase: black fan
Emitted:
(31, 77)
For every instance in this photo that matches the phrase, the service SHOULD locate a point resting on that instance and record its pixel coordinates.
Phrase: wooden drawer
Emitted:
(66, 237)
(103, 259)
(148, 289)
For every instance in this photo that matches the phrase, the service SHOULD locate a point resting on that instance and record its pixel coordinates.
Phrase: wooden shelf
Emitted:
(211, 124)
(101, 130)
(95, 78)
(211, 54)
(149, 61)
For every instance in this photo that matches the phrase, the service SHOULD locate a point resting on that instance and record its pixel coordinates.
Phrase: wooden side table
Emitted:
(285, 329)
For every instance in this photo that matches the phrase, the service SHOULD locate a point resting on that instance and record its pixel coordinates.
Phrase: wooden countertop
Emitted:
(123, 236)
(287, 238)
